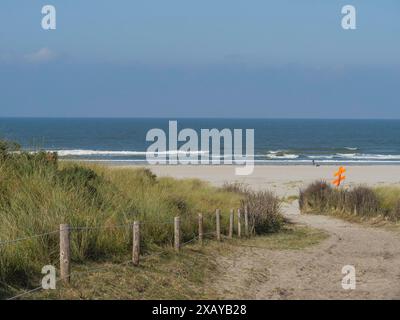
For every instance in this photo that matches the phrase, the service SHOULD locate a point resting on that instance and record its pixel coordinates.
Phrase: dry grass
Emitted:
(187, 275)
(291, 198)
(264, 208)
(37, 194)
(359, 203)
(291, 237)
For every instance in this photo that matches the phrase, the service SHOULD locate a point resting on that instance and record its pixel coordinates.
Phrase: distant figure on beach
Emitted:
(313, 162)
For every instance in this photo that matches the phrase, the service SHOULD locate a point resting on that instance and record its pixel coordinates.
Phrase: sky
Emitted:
(186, 58)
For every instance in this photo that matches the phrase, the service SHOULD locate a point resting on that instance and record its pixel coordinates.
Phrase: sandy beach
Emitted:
(285, 180)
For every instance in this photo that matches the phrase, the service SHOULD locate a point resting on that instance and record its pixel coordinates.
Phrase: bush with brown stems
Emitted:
(264, 212)
(263, 207)
(315, 197)
(320, 197)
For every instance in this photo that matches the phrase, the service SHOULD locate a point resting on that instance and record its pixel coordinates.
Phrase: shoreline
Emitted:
(121, 162)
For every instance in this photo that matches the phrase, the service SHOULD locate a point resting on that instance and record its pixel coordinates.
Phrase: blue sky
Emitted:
(183, 58)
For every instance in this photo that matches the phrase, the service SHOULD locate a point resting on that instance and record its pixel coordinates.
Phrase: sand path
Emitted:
(315, 272)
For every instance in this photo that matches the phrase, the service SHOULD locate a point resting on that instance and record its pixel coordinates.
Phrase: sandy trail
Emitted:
(315, 272)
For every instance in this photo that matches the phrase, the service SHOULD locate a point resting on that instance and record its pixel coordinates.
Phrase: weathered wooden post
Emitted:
(65, 253)
(239, 230)
(136, 243)
(231, 219)
(218, 224)
(177, 233)
(246, 221)
(201, 228)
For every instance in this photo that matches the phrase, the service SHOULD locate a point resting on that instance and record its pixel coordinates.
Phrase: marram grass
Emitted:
(38, 193)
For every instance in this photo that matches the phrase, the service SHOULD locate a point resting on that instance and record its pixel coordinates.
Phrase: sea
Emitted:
(277, 141)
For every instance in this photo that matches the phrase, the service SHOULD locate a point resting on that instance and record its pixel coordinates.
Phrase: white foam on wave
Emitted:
(271, 156)
(297, 161)
(351, 148)
(261, 162)
(320, 157)
(281, 154)
(83, 152)
(358, 156)
(355, 156)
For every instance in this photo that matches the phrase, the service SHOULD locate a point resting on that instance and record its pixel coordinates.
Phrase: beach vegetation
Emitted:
(263, 207)
(358, 202)
(192, 274)
(38, 193)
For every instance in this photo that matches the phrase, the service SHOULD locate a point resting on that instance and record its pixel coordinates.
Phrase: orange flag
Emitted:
(340, 176)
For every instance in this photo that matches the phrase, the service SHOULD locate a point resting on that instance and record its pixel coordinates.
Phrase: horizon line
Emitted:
(186, 118)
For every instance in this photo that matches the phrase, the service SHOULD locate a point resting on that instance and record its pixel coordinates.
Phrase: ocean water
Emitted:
(277, 141)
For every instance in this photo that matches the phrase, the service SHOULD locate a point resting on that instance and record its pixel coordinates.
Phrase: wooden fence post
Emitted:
(231, 219)
(201, 228)
(239, 231)
(218, 224)
(177, 233)
(65, 253)
(136, 243)
(246, 221)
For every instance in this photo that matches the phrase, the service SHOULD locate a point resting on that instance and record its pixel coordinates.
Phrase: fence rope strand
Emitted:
(82, 228)
(28, 238)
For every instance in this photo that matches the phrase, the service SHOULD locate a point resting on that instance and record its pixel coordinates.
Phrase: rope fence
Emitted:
(65, 241)
(40, 235)
(28, 238)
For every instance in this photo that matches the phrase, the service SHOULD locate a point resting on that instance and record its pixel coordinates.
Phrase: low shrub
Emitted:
(264, 211)
(236, 187)
(264, 208)
(319, 197)
(315, 197)
(362, 201)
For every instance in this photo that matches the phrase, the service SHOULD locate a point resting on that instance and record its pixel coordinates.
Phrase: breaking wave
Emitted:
(81, 153)
(273, 156)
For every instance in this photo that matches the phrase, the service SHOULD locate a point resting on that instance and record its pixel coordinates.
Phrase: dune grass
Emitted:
(189, 274)
(290, 237)
(38, 193)
(360, 203)
(389, 196)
